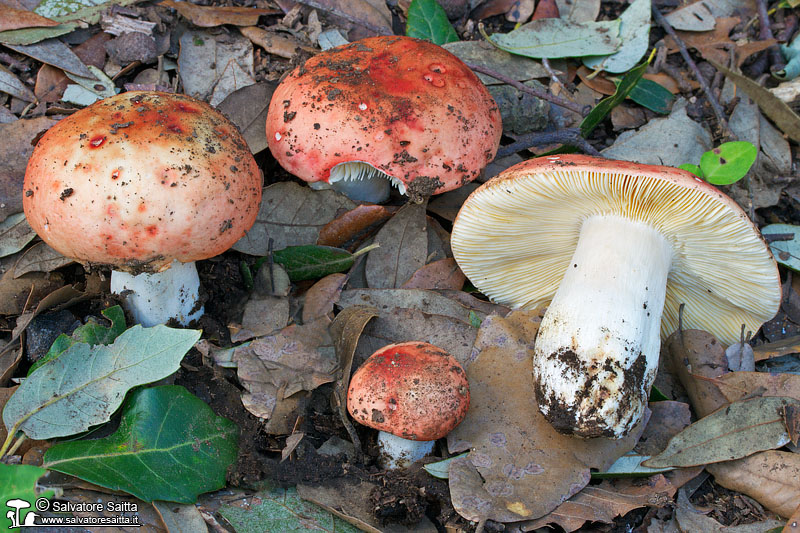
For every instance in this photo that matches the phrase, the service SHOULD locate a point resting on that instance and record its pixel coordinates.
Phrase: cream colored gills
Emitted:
(601, 334)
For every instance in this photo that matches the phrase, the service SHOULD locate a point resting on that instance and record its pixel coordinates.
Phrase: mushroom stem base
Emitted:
(597, 349)
(397, 452)
(156, 298)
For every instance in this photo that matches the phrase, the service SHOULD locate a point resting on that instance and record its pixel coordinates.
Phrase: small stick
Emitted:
(544, 95)
(565, 136)
(689, 61)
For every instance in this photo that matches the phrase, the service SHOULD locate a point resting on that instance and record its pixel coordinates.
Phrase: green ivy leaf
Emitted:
(604, 107)
(91, 333)
(428, 20)
(169, 446)
(653, 96)
(728, 162)
(18, 482)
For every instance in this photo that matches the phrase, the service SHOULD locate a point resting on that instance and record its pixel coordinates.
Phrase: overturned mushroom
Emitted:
(147, 183)
(615, 248)
(384, 110)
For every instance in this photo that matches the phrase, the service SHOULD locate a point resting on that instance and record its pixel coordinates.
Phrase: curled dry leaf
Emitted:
(275, 368)
(769, 477)
(403, 248)
(291, 215)
(519, 467)
(321, 297)
(442, 274)
(604, 502)
(354, 226)
(210, 16)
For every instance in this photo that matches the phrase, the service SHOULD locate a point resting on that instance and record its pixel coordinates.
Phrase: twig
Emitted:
(349, 18)
(765, 33)
(700, 79)
(544, 95)
(565, 136)
(552, 73)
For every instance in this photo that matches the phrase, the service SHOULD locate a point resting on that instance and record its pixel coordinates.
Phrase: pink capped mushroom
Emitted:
(147, 183)
(413, 393)
(384, 110)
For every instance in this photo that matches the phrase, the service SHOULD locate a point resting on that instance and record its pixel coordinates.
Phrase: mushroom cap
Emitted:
(140, 179)
(413, 390)
(515, 235)
(406, 106)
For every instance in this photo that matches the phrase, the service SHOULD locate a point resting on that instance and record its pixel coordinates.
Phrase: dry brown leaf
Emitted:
(290, 215)
(51, 81)
(322, 296)
(546, 9)
(777, 348)
(697, 358)
(15, 151)
(491, 8)
(407, 325)
(604, 502)
(599, 82)
(690, 519)
(274, 43)
(668, 418)
(423, 300)
(15, 19)
(519, 467)
(447, 204)
(770, 477)
(247, 108)
(38, 258)
(368, 17)
(354, 226)
(442, 274)
(711, 44)
(275, 368)
(210, 16)
(737, 385)
(403, 248)
(263, 315)
(793, 524)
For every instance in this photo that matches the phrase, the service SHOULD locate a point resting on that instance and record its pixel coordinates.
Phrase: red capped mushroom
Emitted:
(384, 109)
(147, 183)
(414, 393)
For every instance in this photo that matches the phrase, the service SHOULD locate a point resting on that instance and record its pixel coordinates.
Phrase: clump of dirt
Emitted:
(405, 496)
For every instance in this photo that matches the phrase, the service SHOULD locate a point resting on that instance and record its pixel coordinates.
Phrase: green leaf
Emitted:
(634, 32)
(605, 106)
(428, 20)
(656, 395)
(629, 465)
(91, 333)
(731, 432)
(441, 469)
(694, 169)
(86, 384)
(553, 38)
(785, 251)
(312, 261)
(169, 446)
(653, 96)
(19, 482)
(283, 510)
(728, 162)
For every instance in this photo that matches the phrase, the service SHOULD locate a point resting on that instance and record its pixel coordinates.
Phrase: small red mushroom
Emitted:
(384, 109)
(414, 393)
(147, 183)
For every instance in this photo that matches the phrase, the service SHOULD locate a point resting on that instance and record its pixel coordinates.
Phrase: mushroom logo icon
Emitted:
(17, 504)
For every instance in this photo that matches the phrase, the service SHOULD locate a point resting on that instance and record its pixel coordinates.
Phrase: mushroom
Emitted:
(615, 248)
(147, 183)
(384, 110)
(414, 393)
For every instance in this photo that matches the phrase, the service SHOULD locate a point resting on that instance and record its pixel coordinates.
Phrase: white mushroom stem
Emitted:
(156, 298)
(362, 182)
(597, 349)
(397, 452)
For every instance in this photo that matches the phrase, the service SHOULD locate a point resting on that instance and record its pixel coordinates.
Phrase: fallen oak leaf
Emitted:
(210, 16)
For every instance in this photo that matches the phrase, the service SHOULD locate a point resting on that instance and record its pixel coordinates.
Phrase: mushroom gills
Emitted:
(596, 353)
(360, 181)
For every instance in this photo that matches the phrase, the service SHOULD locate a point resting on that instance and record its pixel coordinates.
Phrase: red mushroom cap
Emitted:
(406, 106)
(414, 390)
(140, 179)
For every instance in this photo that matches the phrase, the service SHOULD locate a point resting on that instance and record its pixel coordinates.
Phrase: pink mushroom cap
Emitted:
(413, 390)
(408, 107)
(140, 179)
